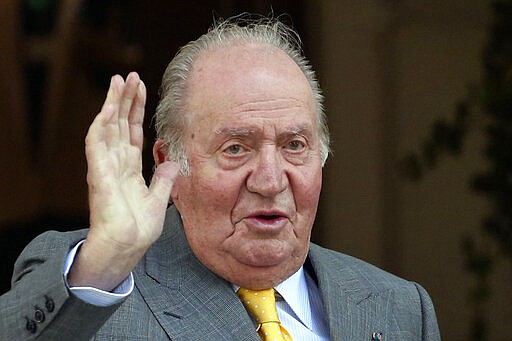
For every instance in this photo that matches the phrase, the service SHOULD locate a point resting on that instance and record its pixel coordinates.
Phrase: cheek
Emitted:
(205, 200)
(307, 189)
(221, 188)
(208, 192)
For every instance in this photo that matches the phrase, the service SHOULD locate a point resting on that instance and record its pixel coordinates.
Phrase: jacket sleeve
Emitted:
(39, 304)
(430, 329)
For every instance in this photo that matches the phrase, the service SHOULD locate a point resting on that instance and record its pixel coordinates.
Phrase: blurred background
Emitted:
(419, 103)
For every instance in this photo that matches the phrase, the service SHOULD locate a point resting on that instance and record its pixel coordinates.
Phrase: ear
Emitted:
(161, 155)
(160, 152)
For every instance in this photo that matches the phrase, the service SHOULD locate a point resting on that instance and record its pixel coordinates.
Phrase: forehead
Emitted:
(254, 79)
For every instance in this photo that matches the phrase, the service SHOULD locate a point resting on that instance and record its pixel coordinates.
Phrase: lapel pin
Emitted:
(377, 336)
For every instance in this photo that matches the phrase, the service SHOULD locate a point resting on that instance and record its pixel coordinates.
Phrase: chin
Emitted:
(262, 277)
(264, 261)
(258, 281)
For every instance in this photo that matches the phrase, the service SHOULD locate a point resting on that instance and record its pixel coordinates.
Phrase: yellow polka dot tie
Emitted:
(261, 304)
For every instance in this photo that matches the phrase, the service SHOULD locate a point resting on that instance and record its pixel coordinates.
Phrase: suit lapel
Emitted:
(353, 310)
(192, 303)
(189, 301)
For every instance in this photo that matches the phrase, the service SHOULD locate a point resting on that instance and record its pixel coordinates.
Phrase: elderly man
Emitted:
(242, 139)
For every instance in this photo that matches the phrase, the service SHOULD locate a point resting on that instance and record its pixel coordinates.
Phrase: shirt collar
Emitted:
(294, 291)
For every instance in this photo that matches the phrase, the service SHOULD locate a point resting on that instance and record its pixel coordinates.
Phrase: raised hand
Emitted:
(126, 216)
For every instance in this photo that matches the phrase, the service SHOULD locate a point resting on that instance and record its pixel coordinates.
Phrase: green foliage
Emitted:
(445, 137)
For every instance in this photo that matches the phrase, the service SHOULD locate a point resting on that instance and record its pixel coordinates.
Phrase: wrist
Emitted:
(103, 264)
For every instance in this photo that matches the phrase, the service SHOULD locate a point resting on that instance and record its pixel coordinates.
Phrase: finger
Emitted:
(96, 138)
(110, 131)
(136, 117)
(125, 105)
(96, 132)
(163, 180)
(129, 93)
(114, 91)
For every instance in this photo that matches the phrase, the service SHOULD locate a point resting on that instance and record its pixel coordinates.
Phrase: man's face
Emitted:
(252, 143)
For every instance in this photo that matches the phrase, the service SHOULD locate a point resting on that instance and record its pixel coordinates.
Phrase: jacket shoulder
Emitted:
(345, 266)
(407, 303)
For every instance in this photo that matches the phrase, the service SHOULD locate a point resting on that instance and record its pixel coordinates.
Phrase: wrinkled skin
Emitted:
(249, 204)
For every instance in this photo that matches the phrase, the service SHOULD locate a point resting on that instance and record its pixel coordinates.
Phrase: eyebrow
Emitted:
(235, 132)
(242, 132)
(298, 130)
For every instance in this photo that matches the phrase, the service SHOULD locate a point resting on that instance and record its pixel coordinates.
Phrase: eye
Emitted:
(296, 145)
(234, 149)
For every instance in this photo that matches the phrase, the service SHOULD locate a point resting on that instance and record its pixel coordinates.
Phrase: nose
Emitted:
(268, 177)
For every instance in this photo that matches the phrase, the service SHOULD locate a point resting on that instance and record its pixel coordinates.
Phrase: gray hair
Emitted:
(170, 120)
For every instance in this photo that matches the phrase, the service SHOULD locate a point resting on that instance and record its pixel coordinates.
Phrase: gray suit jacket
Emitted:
(177, 298)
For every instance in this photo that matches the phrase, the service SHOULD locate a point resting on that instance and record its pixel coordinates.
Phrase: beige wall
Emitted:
(389, 69)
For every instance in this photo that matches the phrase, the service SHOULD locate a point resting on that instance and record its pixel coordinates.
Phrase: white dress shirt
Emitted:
(96, 296)
(301, 309)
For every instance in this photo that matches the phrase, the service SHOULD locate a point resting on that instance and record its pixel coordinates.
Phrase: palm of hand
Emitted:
(123, 208)
(126, 216)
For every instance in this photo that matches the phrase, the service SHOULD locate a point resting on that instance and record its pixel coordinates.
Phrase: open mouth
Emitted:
(268, 220)
(269, 217)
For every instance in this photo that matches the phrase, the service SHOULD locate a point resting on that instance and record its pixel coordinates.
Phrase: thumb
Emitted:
(163, 180)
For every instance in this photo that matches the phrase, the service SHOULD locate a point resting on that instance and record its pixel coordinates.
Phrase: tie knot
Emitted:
(261, 304)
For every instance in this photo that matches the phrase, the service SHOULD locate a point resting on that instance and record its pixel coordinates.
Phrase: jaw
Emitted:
(256, 265)
(257, 278)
